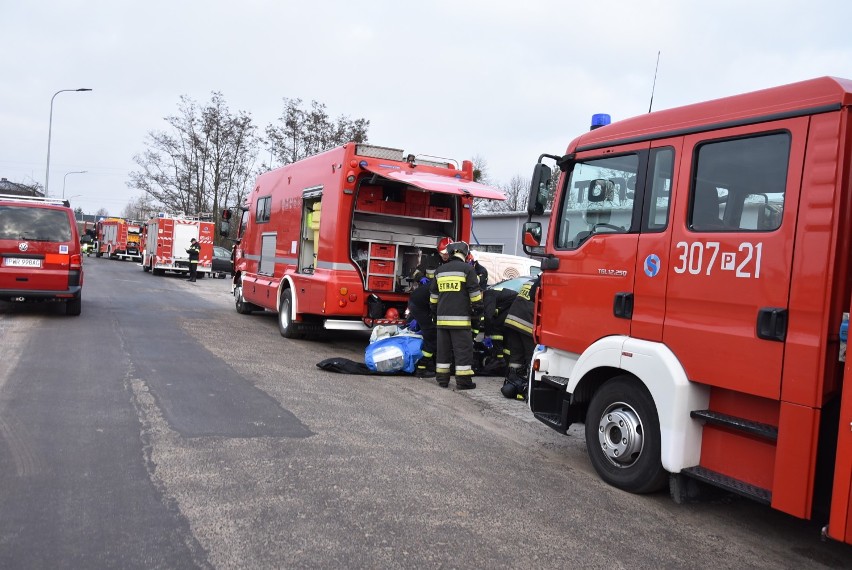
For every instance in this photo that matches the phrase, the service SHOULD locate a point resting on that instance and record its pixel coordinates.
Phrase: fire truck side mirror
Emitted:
(224, 228)
(532, 234)
(540, 189)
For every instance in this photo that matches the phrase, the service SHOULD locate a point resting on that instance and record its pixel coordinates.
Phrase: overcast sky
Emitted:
(504, 80)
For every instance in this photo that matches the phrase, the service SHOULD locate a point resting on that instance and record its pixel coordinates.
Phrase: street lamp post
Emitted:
(50, 131)
(65, 178)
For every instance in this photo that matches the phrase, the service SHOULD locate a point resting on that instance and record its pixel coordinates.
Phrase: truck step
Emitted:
(557, 382)
(747, 490)
(758, 429)
(552, 420)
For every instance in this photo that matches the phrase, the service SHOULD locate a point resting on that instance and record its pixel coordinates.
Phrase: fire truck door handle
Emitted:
(772, 323)
(622, 308)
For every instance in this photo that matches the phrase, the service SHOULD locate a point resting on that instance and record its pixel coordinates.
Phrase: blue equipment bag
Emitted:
(398, 353)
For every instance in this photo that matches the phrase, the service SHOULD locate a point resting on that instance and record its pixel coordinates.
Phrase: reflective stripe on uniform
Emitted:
(518, 323)
(449, 321)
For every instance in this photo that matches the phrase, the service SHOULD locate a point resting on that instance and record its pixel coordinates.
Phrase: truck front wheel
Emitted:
(243, 307)
(623, 436)
(286, 326)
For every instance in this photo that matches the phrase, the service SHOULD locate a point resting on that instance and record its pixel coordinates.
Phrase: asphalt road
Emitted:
(161, 429)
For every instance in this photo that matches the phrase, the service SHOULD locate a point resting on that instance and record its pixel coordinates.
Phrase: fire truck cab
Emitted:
(335, 241)
(696, 280)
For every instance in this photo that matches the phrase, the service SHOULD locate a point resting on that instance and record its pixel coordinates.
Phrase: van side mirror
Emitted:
(540, 189)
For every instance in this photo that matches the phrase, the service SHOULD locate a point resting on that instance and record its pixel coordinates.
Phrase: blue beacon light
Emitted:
(600, 120)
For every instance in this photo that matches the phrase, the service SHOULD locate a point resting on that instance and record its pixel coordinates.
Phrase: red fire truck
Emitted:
(334, 241)
(119, 239)
(696, 281)
(167, 239)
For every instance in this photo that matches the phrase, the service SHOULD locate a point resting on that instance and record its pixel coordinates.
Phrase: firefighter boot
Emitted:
(512, 385)
(426, 367)
(443, 380)
(465, 383)
(522, 385)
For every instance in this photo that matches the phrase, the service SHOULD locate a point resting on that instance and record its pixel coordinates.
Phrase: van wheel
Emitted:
(286, 326)
(243, 307)
(623, 436)
(74, 307)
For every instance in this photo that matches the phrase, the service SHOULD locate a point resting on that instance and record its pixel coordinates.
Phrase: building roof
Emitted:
(15, 189)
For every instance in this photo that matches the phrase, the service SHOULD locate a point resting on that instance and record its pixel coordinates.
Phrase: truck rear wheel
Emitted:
(243, 307)
(623, 436)
(286, 326)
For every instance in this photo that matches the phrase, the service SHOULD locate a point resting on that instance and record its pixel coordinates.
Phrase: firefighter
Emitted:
(497, 303)
(481, 272)
(420, 311)
(443, 244)
(193, 251)
(456, 304)
(519, 341)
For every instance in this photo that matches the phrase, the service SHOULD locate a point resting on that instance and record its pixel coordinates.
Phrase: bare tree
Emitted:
(102, 213)
(300, 133)
(204, 163)
(516, 191)
(140, 209)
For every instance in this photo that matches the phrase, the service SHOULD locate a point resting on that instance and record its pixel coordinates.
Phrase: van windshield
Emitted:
(34, 224)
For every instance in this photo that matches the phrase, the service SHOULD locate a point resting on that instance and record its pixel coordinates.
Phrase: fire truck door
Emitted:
(595, 238)
(309, 286)
(649, 308)
(731, 252)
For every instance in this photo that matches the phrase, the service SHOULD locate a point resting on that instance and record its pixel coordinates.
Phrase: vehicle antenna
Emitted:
(654, 85)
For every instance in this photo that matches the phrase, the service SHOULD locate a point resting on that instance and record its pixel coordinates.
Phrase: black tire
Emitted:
(74, 307)
(623, 436)
(146, 268)
(243, 307)
(286, 326)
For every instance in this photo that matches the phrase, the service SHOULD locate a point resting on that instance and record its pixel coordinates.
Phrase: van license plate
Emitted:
(21, 262)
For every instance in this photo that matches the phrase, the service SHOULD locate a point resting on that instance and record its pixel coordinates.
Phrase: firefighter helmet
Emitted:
(442, 245)
(459, 248)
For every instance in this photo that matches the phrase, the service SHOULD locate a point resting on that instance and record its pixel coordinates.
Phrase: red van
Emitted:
(40, 252)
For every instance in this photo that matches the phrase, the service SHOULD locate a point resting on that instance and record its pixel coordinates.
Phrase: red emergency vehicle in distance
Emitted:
(118, 238)
(693, 298)
(333, 241)
(166, 239)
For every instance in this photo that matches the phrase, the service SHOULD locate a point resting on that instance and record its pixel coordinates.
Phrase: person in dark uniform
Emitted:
(518, 330)
(193, 250)
(456, 303)
(481, 272)
(497, 303)
(419, 310)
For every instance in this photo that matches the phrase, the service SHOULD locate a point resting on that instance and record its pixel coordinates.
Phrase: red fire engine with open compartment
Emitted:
(334, 241)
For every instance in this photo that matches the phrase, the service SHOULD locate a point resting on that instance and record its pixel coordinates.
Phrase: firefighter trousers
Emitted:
(520, 348)
(455, 346)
